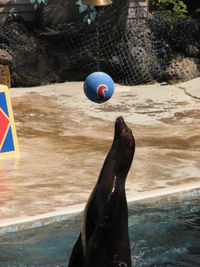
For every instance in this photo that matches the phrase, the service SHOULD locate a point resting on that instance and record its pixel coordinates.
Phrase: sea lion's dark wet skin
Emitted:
(104, 240)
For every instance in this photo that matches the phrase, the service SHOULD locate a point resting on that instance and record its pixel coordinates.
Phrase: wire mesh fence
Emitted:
(124, 41)
(120, 42)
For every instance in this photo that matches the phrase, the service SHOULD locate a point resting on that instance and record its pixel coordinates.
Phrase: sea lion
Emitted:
(104, 239)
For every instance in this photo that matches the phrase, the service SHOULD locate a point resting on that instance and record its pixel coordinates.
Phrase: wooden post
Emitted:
(5, 60)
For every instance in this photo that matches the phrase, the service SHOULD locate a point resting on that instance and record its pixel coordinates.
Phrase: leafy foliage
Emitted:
(197, 10)
(89, 10)
(37, 3)
(175, 8)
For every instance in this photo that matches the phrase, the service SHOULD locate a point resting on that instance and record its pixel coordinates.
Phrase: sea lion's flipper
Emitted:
(96, 249)
(77, 258)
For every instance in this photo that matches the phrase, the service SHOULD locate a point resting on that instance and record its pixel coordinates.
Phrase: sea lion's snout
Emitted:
(119, 124)
(123, 136)
(120, 119)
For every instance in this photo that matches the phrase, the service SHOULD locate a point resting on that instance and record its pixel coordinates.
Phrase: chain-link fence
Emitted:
(123, 41)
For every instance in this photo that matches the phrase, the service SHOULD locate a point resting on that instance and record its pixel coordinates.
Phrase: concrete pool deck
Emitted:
(64, 138)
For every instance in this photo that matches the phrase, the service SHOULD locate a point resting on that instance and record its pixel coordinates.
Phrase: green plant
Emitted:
(175, 8)
(197, 10)
(37, 3)
(89, 10)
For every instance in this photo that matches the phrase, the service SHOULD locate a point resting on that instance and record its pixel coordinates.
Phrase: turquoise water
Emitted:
(160, 235)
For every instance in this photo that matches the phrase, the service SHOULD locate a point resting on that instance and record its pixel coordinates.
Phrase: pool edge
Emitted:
(67, 214)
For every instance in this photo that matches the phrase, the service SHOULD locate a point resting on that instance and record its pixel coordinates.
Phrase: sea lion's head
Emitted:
(124, 147)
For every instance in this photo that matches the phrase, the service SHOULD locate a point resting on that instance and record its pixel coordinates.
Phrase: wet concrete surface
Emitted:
(64, 139)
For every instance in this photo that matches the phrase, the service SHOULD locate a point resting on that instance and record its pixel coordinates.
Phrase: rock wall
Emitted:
(127, 43)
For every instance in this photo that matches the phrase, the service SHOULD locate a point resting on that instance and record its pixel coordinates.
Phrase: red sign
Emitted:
(4, 123)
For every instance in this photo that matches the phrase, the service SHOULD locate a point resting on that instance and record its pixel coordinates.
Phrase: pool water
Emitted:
(161, 234)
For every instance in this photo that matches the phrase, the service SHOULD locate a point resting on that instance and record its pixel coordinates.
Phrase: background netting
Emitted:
(123, 41)
(120, 42)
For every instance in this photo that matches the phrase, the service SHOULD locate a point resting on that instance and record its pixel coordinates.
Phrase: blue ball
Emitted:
(99, 87)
